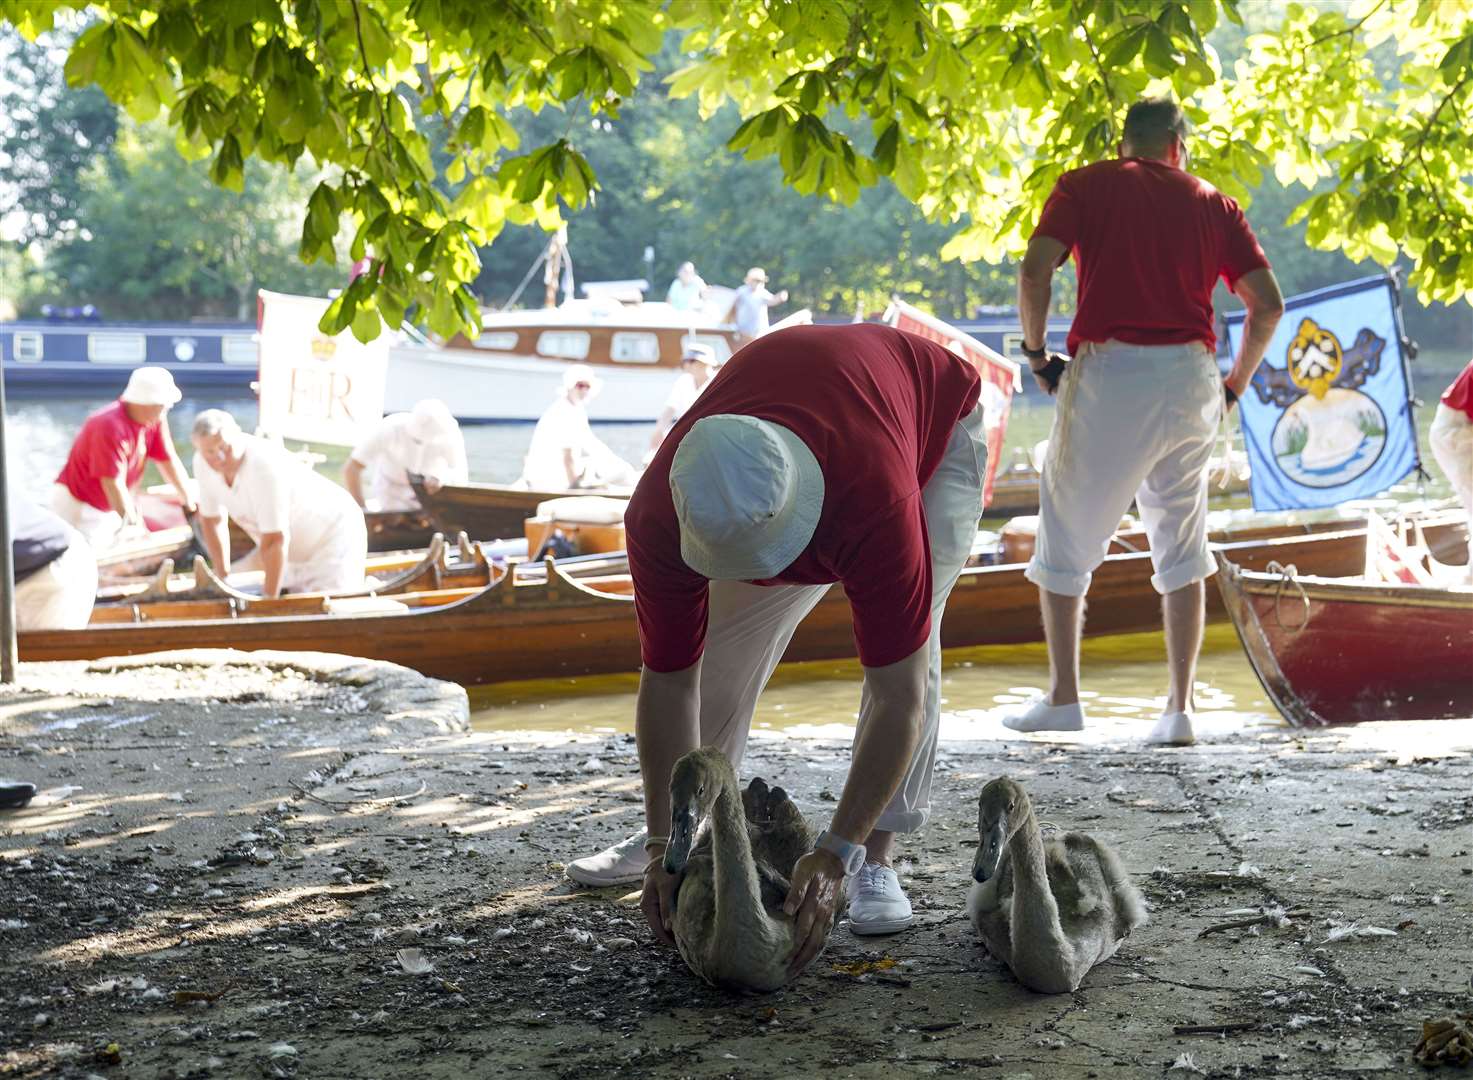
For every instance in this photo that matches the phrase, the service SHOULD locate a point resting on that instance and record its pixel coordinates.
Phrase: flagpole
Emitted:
(1408, 350)
(7, 562)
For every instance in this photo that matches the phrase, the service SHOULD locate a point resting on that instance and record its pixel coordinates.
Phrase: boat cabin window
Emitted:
(717, 342)
(116, 348)
(499, 340)
(27, 345)
(564, 344)
(634, 348)
(238, 349)
(184, 349)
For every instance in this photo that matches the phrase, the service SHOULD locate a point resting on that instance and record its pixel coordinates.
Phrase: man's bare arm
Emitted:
(353, 479)
(897, 696)
(666, 728)
(1259, 291)
(1035, 287)
(173, 471)
(272, 549)
(217, 542)
(115, 489)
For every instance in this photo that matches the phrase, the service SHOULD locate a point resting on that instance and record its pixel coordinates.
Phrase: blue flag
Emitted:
(1328, 416)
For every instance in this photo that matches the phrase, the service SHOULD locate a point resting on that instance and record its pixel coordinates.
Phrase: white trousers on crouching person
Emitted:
(1132, 421)
(100, 527)
(749, 627)
(59, 596)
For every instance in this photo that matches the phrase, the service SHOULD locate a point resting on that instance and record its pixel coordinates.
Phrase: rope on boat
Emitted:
(1288, 575)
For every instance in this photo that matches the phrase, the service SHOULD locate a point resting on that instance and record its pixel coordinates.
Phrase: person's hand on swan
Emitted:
(818, 880)
(658, 899)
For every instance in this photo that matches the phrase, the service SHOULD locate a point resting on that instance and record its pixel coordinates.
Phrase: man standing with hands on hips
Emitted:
(864, 468)
(1139, 404)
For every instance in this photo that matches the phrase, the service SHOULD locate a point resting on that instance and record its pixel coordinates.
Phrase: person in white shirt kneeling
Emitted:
(308, 531)
(426, 441)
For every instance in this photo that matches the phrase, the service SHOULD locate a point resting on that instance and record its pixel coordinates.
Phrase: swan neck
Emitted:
(738, 891)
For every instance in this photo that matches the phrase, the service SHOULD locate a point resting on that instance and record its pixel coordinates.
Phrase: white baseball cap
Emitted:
(151, 386)
(582, 373)
(748, 494)
(701, 354)
(430, 417)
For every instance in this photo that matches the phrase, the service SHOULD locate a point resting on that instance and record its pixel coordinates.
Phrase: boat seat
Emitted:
(584, 510)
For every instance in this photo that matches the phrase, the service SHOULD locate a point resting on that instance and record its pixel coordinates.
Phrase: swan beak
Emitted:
(682, 834)
(989, 852)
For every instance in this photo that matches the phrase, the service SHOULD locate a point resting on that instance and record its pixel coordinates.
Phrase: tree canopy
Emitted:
(972, 108)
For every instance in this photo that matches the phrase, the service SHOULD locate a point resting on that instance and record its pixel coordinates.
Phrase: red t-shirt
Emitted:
(1149, 241)
(1460, 394)
(877, 407)
(109, 444)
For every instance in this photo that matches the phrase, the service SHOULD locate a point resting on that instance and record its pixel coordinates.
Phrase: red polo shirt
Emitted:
(110, 444)
(1149, 241)
(877, 407)
(1459, 395)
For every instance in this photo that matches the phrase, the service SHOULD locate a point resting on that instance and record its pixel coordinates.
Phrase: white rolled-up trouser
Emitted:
(100, 527)
(749, 627)
(1451, 437)
(1132, 421)
(59, 596)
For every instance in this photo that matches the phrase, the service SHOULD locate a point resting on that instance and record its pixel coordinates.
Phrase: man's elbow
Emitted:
(272, 541)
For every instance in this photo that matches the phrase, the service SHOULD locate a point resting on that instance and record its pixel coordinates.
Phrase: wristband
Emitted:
(651, 841)
(1036, 354)
(1229, 393)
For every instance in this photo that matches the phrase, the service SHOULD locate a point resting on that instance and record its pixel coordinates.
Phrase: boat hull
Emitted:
(483, 511)
(486, 387)
(563, 627)
(1339, 652)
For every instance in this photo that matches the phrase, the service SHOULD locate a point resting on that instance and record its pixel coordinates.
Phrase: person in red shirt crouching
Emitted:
(1141, 400)
(95, 491)
(817, 455)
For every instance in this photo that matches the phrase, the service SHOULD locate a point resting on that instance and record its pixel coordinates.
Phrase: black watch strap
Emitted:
(1036, 354)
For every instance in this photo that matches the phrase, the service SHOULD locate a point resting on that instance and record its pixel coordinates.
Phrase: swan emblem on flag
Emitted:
(1330, 432)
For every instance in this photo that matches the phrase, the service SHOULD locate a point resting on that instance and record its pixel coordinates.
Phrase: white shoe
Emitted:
(879, 905)
(1173, 729)
(1041, 716)
(622, 864)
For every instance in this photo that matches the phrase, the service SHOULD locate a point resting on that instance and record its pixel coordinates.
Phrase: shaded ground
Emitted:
(227, 863)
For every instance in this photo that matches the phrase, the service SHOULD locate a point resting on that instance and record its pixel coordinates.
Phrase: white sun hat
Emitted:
(151, 386)
(429, 418)
(578, 373)
(747, 494)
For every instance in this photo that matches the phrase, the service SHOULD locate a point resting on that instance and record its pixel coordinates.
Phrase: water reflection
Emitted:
(1121, 675)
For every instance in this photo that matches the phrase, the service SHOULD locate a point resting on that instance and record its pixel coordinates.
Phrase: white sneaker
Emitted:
(622, 864)
(878, 905)
(1173, 729)
(1041, 716)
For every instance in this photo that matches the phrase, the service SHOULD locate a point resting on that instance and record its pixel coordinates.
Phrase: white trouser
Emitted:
(1451, 437)
(337, 564)
(1132, 421)
(100, 527)
(59, 596)
(749, 627)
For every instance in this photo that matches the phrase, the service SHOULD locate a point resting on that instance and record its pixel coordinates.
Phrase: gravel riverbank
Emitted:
(256, 865)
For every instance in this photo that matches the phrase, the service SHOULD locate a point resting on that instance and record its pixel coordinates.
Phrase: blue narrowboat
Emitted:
(86, 355)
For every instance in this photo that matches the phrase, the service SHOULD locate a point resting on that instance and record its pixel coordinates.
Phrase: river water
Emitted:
(1122, 675)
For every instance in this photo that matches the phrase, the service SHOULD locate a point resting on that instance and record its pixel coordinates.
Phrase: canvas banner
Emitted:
(313, 387)
(1327, 417)
(1001, 377)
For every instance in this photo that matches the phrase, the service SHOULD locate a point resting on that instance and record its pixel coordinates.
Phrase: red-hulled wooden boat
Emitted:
(1333, 651)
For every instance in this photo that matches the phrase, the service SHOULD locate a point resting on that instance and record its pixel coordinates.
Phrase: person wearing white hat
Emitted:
(865, 470)
(565, 454)
(425, 441)
(697, 364)
(749, 306)
(95, 490)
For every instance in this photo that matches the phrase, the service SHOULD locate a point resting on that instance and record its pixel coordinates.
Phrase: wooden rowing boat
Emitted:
(517, 628)
(1340, 651)
(1015, 489)
(486, 511)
